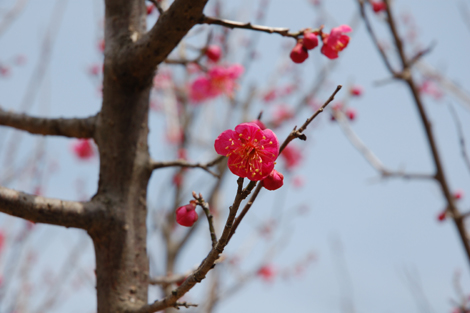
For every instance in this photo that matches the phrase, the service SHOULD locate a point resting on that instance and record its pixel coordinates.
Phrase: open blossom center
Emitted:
(251, 150)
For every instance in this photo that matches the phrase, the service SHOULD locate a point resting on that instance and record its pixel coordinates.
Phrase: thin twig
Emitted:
(233, 24)
(183, 163)
(374, 37)
(371, 158)
(440, 175)
(168, 280)
(205, 207)
(458, 125)
(298, 133)
(209, 262)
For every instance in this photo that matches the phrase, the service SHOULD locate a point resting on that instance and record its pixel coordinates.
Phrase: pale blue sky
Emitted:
(386, 227)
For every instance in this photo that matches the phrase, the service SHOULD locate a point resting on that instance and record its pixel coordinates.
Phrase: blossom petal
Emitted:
(226, 142)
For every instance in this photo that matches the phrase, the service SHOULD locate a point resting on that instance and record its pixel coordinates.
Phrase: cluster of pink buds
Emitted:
(300, 52)
(333, 43)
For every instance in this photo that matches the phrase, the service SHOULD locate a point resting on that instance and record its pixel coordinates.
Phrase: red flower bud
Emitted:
(378, 6)
(150, 8)
(356, 90)
(458, 194)
(274, 181)
(214, 53)
(310, 40)
(351, 113)
(299, 54)
(442, 216)
(186, 215)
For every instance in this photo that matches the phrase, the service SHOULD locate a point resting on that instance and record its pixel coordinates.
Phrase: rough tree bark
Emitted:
(131, 57)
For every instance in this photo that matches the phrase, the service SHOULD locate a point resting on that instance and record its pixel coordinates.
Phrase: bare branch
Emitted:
(298, 133)
(445, 82)
(182, 163)
(170, 28)
(463, 147)
(374, 37)
(209, 262)
(50, 211)
(406, 76)
(10, 16)
(233, 24)
(73, 127)
(168, 280)
(373, 160)
(205, 207)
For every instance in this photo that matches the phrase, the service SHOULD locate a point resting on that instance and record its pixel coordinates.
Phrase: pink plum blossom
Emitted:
(336, 41)
(186, 215)
(219, 80)
(251, 151)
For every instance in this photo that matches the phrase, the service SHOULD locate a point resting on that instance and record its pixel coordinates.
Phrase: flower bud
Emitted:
(274, 181)
(299, 54)
(310, 40)
(214, 53)
(186, 215)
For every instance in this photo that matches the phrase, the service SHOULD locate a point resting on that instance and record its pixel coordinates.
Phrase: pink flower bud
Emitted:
(101, 45)
(214, 53)
(310, 40)
(83, 149)
(299, 54)
(267, 272)
(458, 194)
(351, 113)
(442, 216)
(274, 181)
(186, 215)
(356, 90)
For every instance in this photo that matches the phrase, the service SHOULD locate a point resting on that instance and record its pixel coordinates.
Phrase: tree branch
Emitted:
(50, 211)
(233, 24)
(182, 163)
(405, 75)
(209, 262)
(373, 160)
(298, 133)
(205, 207)
(170, 28)
(463, 147)
(73, 127)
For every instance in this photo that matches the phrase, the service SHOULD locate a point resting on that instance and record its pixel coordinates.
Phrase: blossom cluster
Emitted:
(333, 43)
